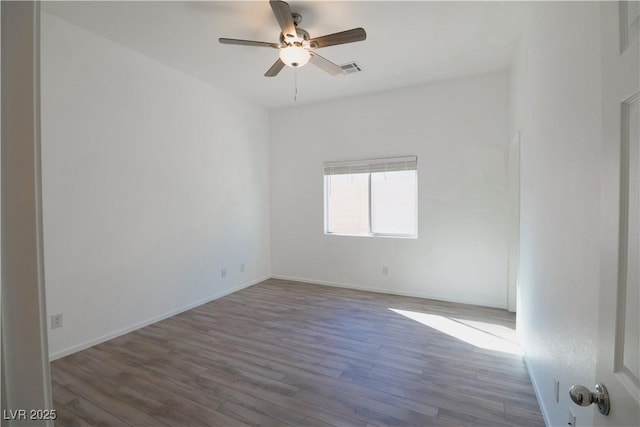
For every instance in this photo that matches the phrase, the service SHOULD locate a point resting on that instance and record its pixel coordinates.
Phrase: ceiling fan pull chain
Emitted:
(295, 84)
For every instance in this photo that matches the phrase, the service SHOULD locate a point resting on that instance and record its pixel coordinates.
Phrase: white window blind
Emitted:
(388, 164)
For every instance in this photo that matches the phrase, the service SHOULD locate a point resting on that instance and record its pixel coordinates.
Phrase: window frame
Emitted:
(370, 233)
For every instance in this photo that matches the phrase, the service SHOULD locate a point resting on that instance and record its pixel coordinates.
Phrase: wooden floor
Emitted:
(286, 353)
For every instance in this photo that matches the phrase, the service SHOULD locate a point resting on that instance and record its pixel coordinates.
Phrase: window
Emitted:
(377, 197)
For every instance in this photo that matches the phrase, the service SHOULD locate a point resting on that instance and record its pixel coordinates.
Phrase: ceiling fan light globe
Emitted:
(295, 56)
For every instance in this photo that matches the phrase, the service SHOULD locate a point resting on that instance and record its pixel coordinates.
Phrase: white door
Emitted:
(618, 362)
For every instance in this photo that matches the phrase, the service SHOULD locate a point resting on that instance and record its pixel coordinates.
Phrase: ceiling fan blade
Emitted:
(275, 68)
(248, 43)
(349, 36)
(325, 64)
(283, 14)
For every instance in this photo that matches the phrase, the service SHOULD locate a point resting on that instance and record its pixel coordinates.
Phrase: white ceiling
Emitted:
(408, 43)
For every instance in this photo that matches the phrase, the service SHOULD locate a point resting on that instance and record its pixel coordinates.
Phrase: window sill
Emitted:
(387, 236)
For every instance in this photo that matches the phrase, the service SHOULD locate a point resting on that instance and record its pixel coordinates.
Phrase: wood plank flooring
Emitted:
(285, 353)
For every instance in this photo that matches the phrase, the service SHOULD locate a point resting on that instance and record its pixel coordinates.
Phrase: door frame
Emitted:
(26, 383)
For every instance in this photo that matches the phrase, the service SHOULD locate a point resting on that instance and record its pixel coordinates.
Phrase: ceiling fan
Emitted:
(296, 46)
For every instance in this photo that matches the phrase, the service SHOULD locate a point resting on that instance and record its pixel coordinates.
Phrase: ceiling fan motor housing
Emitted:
(303, 35)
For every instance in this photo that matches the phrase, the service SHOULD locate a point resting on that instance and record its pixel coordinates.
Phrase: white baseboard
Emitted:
(384, 291)
(536, 390)
(131, 328)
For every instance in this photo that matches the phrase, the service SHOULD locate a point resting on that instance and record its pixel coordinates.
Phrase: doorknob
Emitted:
(584, 397)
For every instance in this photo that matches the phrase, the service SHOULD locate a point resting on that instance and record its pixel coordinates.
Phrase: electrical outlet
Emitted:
(556, 389)
(572, 418)
(385, 270)
(56, 321)
(223, 272)
(241, 268)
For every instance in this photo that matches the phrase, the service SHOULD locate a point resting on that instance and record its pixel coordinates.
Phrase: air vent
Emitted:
(350, 68)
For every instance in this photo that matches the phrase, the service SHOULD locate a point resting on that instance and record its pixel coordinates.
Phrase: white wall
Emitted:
(153, 181)
(556, 104)
(459, 131)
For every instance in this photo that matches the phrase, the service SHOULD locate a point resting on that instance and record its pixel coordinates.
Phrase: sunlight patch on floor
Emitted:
(479, 334)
